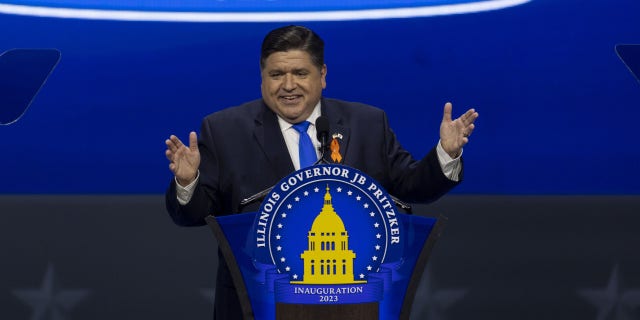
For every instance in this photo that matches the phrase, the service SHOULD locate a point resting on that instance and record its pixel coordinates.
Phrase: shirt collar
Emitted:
(284, 125)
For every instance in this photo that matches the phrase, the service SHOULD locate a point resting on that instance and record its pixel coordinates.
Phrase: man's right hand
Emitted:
(183, 161)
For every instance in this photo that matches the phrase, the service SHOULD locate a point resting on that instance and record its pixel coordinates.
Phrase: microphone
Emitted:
(322, 133)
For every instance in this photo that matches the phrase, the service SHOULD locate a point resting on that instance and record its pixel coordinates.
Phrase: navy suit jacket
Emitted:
(243, 152)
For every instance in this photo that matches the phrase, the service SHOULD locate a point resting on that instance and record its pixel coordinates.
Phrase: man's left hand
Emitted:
(454, 134)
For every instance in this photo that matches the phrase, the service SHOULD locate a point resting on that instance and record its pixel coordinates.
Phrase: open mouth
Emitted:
(291, 99)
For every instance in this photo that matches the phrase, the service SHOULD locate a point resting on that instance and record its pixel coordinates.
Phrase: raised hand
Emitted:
(454, 134)
(183, 161)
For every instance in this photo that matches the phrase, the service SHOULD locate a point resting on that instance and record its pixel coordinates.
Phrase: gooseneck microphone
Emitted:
(322, 133)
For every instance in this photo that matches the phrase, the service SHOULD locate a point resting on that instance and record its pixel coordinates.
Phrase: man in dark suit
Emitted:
(245, 149)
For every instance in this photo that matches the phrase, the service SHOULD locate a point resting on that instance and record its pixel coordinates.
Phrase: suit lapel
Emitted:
(337, 130)
(269, 136)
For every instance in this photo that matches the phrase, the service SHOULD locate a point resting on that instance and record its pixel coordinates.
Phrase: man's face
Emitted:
(292, 84)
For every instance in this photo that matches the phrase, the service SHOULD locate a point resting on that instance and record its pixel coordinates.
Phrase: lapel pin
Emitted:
(335, 148)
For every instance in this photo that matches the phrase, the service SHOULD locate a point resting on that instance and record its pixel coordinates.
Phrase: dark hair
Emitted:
(293, 38)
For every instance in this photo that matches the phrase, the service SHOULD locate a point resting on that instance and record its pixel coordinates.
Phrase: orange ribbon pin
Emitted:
(335, 151)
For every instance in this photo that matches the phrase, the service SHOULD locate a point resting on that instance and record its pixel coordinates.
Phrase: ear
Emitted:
(323, 76)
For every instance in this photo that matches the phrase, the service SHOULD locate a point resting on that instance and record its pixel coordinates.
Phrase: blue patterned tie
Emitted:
(306, 151)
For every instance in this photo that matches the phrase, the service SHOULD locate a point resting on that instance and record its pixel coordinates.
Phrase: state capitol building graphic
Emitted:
(327, 235)
(328, 259)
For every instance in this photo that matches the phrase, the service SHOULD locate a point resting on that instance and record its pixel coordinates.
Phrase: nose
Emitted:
(289, 82)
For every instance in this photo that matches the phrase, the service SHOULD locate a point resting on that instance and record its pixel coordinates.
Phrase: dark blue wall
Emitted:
(558, 109)
(500, 257)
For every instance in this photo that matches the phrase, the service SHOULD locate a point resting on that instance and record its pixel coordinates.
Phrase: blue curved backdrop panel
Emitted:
(558, 109)
(241, 6)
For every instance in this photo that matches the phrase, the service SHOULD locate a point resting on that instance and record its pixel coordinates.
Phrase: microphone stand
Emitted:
(260, 195)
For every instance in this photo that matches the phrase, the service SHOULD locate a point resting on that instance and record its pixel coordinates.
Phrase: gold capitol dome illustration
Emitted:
(328, 259)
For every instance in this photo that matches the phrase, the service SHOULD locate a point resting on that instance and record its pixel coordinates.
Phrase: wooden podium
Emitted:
(285, 311)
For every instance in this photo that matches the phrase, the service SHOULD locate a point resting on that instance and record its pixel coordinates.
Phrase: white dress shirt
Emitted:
(450, 167)
(292, 137)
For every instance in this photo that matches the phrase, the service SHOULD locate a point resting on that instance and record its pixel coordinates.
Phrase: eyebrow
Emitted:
(294, 70)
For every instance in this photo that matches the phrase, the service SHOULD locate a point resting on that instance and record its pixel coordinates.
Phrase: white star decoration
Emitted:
(369, 268)
(295, 276)
(50, 301)
(279, 248)
(372, 213)
(339, 189)
(349, 192)
(377, 247)
(288, 268)
(374, 258)
(297, 199)
(279, 225)
(358, 198)
(289, 206)
(316, 189)
(361, 276)
(283, 259)
(284, 215)
(278, 237)
(306, 193)
(376, 224)
(614, 301)
(377, 236)
(366, 205)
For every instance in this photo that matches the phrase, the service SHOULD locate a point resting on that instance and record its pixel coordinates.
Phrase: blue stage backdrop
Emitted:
(558, 109)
